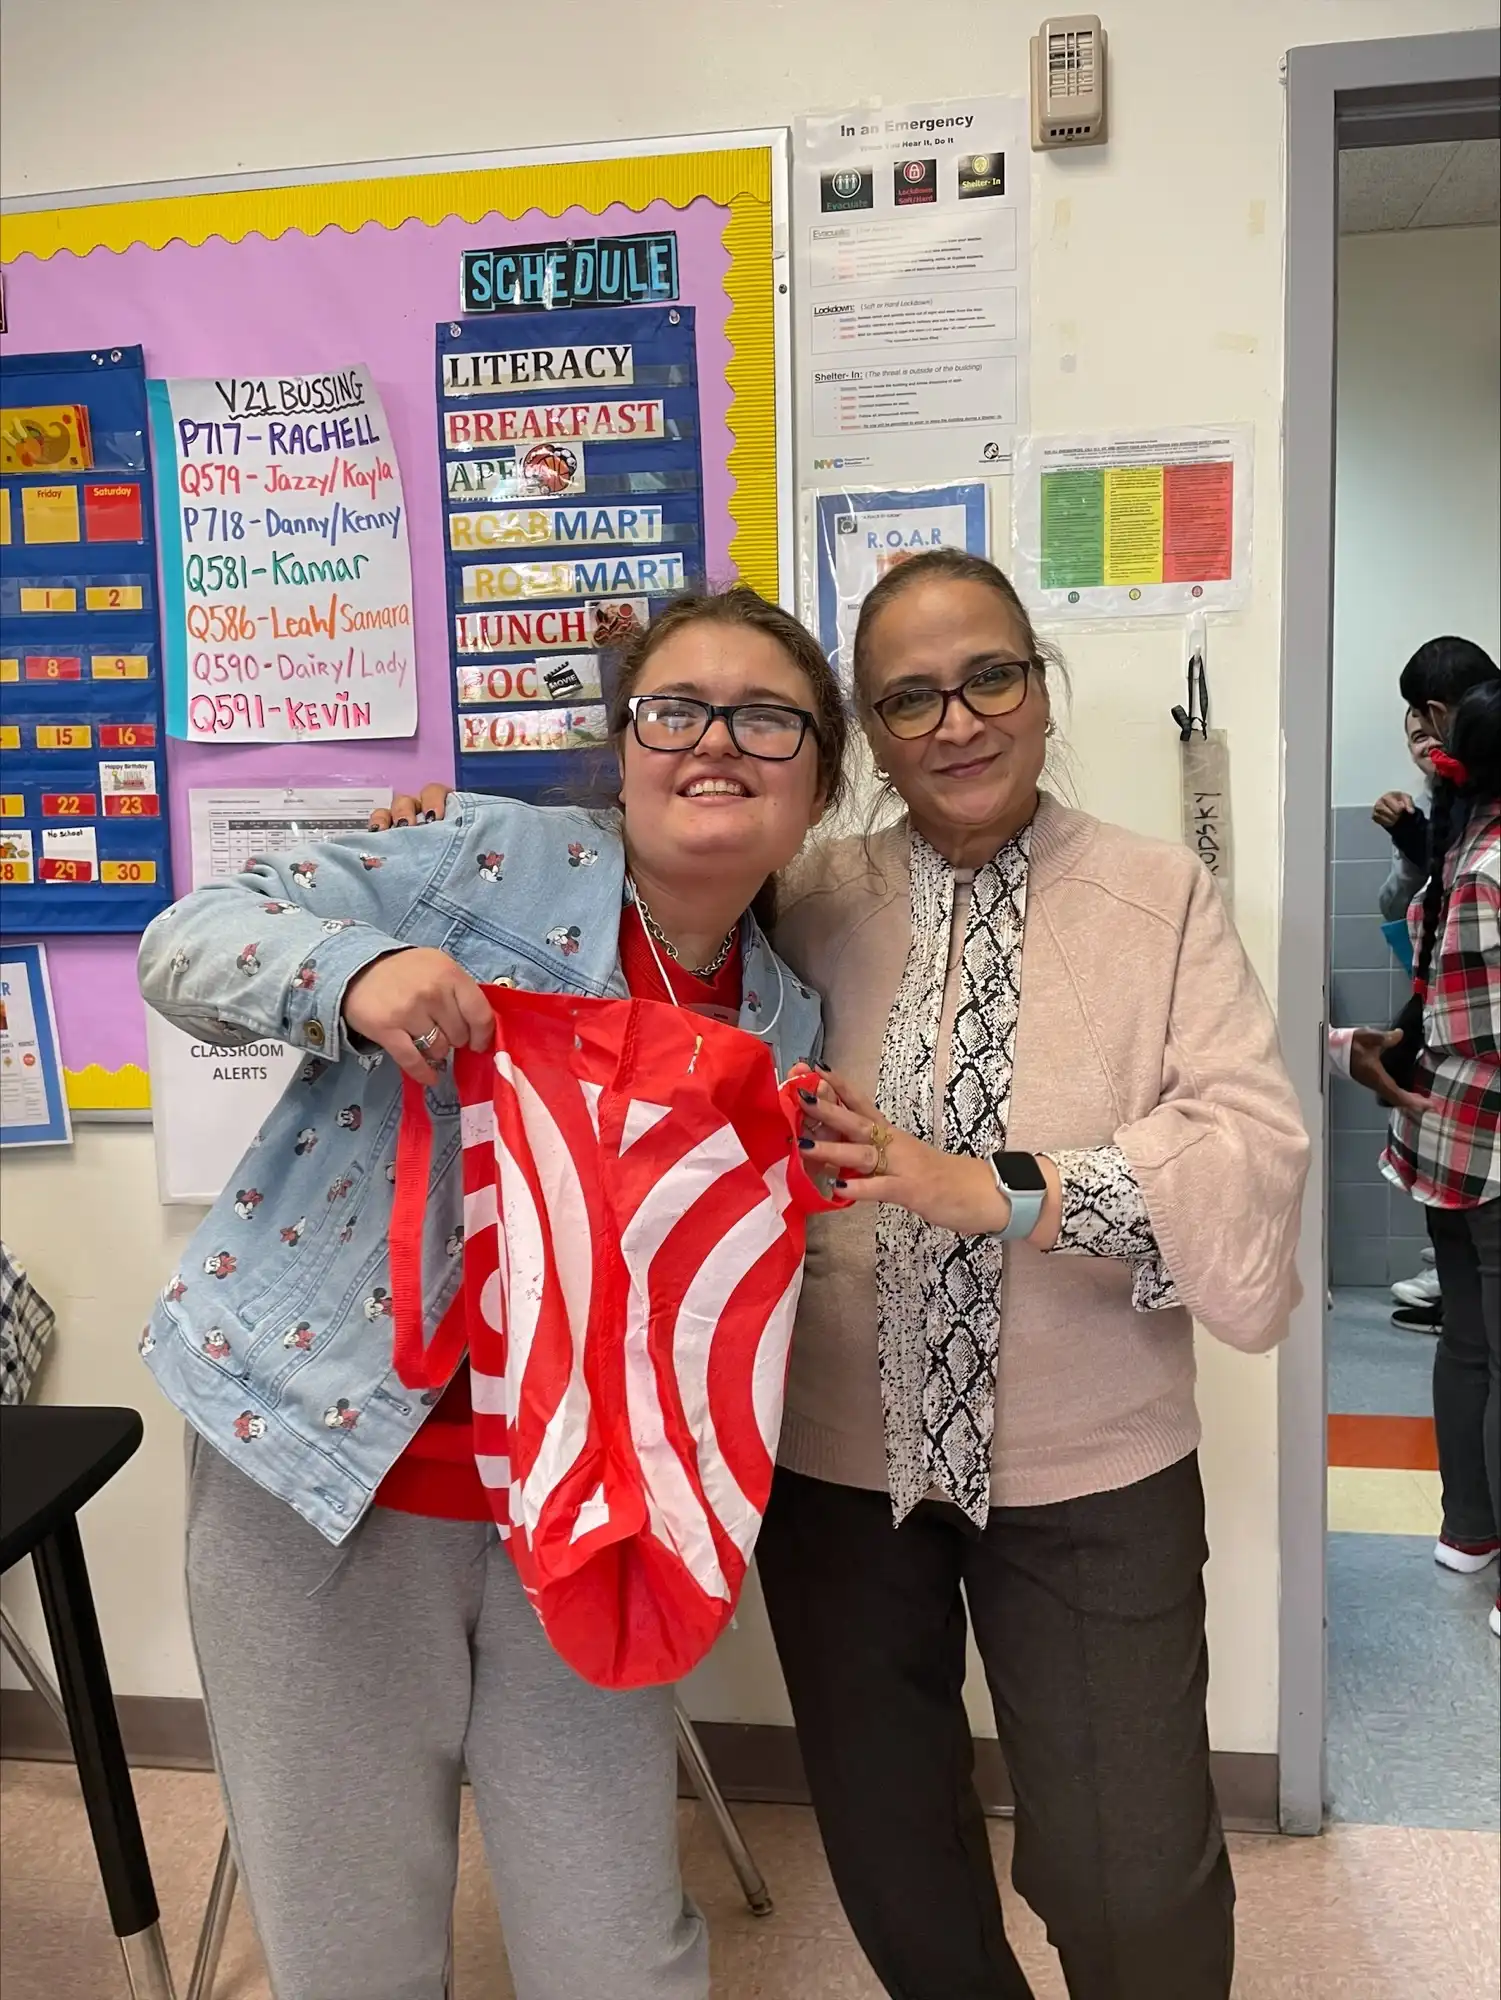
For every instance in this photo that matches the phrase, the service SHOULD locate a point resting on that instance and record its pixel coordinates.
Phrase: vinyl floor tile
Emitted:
(1376, 1369)
(1369, 1501)
(1366, 1913)
(1414, 1688)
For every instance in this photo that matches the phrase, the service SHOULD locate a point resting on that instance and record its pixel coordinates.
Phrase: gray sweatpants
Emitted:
(347, 1693)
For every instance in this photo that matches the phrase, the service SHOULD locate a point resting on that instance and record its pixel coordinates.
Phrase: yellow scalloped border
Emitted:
(96, 1089)
(738, 180)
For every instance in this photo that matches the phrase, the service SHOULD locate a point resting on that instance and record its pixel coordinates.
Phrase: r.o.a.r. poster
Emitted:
(858, 537)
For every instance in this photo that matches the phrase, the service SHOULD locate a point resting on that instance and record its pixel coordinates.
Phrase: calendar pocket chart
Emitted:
(84, 841)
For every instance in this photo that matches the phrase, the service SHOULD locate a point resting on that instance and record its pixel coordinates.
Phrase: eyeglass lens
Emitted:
(676, 722)
(918, 711)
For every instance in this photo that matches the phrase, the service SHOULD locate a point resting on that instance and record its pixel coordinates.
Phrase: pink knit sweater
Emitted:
(1141, 1024)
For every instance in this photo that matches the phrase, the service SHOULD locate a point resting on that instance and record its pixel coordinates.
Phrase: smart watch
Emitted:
(1020, 1179)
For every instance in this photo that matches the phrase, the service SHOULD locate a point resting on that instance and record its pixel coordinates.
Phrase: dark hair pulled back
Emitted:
(947, 566)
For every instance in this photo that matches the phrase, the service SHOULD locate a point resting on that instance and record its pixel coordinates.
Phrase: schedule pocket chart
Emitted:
(84, 844)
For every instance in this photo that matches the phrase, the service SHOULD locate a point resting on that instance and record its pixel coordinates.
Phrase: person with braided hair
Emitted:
(1440, 1071)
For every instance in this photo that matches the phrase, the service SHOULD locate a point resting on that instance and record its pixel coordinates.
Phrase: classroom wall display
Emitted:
(83, 830)
(310, 274)
(912, 243)
(285, 567)
(858, 536)
(574, 493)
(1134, 526)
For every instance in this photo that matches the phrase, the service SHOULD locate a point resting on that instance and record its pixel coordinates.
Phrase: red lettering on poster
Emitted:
(1198, 517)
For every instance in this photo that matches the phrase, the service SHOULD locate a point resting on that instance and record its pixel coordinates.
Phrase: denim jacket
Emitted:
(274, 1337)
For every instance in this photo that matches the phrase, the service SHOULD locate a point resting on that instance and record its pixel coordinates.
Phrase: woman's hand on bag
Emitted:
(404, 810)
(1367, 1046)
(417, 1005)
(949, 1190)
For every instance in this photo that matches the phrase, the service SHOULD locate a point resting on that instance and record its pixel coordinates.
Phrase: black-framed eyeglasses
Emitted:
(757, 728)
(918, 711)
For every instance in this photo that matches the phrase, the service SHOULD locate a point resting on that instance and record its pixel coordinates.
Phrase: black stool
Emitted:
(52, 1462)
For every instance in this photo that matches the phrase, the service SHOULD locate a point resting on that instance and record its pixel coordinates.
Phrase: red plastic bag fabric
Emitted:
(634, 1218)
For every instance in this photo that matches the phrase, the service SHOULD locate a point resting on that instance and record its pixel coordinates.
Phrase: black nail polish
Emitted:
(822, 1068)
(806, 1145)
(841, 1185)
(428, 817)
(807, 1097)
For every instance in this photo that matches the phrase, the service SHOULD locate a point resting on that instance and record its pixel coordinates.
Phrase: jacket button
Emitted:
(313, 1033)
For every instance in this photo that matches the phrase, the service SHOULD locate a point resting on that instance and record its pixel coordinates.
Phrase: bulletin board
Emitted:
(324, 269)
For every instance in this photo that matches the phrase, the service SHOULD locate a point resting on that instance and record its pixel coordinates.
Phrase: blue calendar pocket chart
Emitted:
(84, 843)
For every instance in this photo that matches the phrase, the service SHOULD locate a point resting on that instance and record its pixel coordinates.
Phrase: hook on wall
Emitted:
(1194, 719)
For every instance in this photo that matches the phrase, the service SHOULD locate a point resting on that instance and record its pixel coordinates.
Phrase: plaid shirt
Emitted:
(1451, 1158)
(25, 1328)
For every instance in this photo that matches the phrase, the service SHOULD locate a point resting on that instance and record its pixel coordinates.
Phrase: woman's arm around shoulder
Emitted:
(1222, 1159)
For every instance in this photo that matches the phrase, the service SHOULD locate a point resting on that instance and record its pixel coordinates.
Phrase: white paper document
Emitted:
(207, 1102)
(911, 227)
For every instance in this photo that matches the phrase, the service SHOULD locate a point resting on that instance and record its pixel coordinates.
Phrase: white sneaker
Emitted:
(1419, 1291)
(1496, 1617)
(1430, 1255)
(1467, 1558)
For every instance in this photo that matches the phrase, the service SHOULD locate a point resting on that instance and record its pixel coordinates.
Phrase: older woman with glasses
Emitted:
(1057, 1100)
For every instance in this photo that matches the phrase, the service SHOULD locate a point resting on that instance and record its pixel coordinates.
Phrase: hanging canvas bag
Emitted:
(634, 1216)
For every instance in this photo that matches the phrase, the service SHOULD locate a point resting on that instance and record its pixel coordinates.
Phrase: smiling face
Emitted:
(1421, 741)
(973, 783)
(710, 807)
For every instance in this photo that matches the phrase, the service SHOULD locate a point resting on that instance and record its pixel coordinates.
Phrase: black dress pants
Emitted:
(1089, 1617)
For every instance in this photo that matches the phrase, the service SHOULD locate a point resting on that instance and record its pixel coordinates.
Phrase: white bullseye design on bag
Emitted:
(634, 1214)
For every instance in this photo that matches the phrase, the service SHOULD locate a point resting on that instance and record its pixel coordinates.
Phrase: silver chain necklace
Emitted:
(655, 931)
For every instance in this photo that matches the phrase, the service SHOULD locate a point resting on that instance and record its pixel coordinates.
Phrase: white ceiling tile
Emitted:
(1383, 187)
(1468, 190)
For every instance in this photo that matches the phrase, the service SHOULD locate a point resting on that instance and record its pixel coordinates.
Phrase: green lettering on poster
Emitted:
(1073, 530)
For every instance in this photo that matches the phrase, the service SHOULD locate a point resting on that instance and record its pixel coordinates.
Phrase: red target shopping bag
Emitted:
(634, 1212)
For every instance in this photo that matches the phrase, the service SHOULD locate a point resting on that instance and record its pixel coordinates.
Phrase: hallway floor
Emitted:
(1414, 1671)
(1366, 1913)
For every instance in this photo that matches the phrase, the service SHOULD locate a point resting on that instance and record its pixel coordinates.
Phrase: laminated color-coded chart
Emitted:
(1140, 526)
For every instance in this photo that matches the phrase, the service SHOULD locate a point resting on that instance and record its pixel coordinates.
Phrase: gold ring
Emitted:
(881, 1138)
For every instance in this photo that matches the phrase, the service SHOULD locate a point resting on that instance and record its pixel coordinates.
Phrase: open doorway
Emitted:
(1417, 555)
(1357, 99)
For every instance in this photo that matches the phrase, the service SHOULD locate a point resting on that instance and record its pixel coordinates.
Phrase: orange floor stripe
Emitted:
(1396, 1444)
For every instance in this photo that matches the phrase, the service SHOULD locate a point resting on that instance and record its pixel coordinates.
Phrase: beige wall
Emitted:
(1157, 299)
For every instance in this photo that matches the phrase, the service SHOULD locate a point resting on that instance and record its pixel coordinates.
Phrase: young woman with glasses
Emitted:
(363, 1640)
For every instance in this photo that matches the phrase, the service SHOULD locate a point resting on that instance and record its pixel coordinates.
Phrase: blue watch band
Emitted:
(1026, 1208)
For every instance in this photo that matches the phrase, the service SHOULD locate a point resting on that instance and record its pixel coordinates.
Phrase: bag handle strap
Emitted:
(419, 1365)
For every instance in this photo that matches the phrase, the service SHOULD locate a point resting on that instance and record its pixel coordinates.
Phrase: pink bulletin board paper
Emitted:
(220, 309)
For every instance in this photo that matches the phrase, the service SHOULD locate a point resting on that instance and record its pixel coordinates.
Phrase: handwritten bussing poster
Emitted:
(285, 560)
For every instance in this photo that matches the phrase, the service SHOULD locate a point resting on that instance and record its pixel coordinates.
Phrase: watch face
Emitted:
(1020, 1173)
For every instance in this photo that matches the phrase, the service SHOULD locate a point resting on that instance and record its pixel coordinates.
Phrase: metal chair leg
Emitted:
(221, 1898)
(31, 1667)
(752, 1881)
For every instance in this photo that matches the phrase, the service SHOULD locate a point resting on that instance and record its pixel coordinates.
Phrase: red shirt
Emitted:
(436, 1474)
